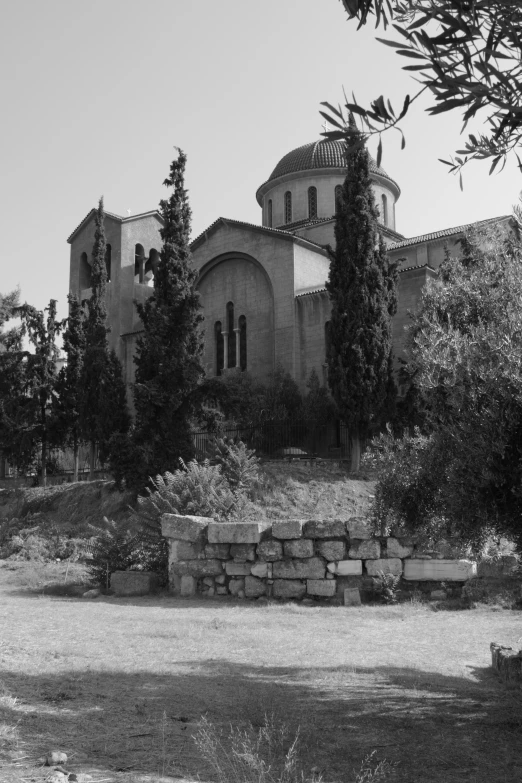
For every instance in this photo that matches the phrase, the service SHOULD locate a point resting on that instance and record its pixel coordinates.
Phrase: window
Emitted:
(338, 198)
(384, 210)
(85, 272)
(242, 342)
(269, 213)
(231, 335)
(288, 207)
(220, 348)
(108, 252)
(139, 263)
(312, 202)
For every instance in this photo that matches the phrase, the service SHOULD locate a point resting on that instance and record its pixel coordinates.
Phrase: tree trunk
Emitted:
(356, 454)
(76, 459)
(44, 462)
(92, 459)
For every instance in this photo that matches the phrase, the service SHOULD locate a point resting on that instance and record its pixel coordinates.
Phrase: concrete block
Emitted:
(235, 586)
(219, 551)
(331, 550)
(234, 533)
(184, 528)
(270, 550)
(394, 548)
(389, 565)
(358, 527)
(352, 596)
(133, 582)
(301, 547)
(290, 528)
(197, 568)
(237, 569)
(328, 528)
(311, 568)
(323, 587)
(243, 552)
(254, 587)
(184, 550)
(365, 550)
(260, 570)
(349, 568)
(288, 588)
(187, 586)
(439, 570)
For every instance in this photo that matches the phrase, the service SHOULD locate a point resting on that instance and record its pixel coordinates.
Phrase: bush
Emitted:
(239, 464)
(386, 586)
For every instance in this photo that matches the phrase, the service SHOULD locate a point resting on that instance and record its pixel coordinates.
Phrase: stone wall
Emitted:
(292, 559)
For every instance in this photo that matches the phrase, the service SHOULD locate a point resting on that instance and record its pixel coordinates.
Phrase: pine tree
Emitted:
(169, 372)
(362, 288)
(101, 415)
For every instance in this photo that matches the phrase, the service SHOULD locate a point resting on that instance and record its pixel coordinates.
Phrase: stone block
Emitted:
(388, 565)
(235, 586)
(342, 582)
(184, 528)
(394, 548)
(243, 552)
(287, 529)
(254, 587)
(329, 575)
(328, 528)
(133, 582)
(507, 663)
(349, 568)
(187, 586)
(260, 570)
(439, 570)
(237, 569)
(219, 551)
(300, 547)
(208, 581)
(365, 550)
(270, 550)
(358, 527)
(221, 590)
(331, 550)
(220, 580)
(352, 596)
(234, 533)
(310, 568)
(198, 568)
(323, 587)
(288, 588)
(184, 550)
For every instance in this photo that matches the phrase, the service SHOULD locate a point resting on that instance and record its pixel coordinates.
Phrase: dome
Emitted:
(322, 154)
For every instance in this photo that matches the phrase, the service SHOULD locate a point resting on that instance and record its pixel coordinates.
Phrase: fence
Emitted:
(286, 439)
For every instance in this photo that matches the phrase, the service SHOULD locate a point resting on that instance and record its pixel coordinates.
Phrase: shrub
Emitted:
(386, 587)
(239, 464)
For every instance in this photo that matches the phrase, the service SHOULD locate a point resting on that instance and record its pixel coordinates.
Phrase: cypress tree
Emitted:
(362, 288)
(169, 372)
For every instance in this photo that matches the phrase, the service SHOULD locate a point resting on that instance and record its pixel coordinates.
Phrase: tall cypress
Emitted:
(362, 288)
(168, 353)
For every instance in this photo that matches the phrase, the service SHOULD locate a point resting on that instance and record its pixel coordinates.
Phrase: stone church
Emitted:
(262, 286)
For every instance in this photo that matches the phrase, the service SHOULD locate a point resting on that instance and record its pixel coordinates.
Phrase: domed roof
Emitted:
(322, 154)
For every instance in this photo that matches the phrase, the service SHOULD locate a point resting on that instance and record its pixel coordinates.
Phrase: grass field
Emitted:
(120, 685)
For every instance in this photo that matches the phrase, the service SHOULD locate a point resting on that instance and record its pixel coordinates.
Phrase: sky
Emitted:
(95, 96)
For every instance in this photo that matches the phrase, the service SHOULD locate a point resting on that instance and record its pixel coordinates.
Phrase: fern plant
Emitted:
(386, 586)
(239, 464)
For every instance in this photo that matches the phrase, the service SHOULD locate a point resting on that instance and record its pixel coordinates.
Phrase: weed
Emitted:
(386, 586)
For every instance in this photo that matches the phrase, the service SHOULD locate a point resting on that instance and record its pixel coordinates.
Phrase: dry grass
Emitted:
(120, 685)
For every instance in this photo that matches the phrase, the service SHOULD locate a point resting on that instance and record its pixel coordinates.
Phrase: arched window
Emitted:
(384, 210)
(220, 348)
(288, 207)
(139, 263)
(108, 253)
(312, 202)
(242, 342)
(231, 336)
(85, 272)
(269, 213)
(151, 267)
(338, 198)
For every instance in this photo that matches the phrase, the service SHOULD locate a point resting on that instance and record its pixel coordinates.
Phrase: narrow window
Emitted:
(338, 198)
(384, 211)
(312, 202)
(220, 348)
(85, 272)
(288, 207)
(269, 213)
(242, 342)
(139, 263)
(231, 335)
(108, 252)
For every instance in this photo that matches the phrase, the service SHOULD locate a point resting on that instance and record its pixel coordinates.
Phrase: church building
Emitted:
(262, 286)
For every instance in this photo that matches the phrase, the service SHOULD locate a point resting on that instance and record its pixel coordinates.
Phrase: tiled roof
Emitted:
(252, 226)
(447, 232)
(112, 215)
(321, 290)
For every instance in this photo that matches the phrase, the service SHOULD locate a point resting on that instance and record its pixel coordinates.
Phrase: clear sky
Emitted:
(94, 95)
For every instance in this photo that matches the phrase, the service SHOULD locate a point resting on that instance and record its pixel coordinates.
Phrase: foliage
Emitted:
(386, 586)
(318, 405)
(8, 304)
(239, 464)
(168, 353)
(467, 54)
(362, 289)
(464, 475)
(248, 402)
